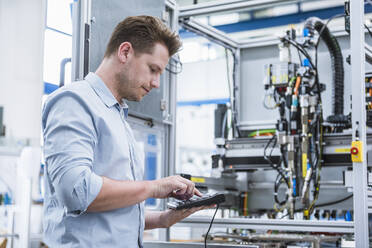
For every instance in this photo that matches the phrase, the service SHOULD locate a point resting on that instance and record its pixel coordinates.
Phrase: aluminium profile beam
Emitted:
(170, 127)
(229, 6)
(281, 225)
(357, 41)
(209, 32)
(171, 4)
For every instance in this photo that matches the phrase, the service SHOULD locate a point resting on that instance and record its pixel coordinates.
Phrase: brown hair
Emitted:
(143, 32)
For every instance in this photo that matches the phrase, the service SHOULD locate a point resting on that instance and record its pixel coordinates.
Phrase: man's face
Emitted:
(141, 73)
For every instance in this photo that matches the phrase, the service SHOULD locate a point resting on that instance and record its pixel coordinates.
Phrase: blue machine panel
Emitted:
(150, 172)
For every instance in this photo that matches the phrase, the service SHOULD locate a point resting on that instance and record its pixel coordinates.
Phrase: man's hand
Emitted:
(119, 194)
(174, 186)
(170, 216)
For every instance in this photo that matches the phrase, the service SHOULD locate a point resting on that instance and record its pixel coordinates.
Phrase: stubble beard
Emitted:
(123, 89)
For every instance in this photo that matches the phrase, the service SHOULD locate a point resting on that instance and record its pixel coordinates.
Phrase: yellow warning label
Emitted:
(342, 150)
(198, 179)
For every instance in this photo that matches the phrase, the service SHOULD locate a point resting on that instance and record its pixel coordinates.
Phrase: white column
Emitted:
(22, 24)
(359, 116)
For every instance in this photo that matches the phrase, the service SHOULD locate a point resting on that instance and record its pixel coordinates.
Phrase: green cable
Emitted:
(259, 132)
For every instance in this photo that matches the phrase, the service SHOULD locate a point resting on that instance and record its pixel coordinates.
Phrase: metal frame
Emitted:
(81, 16)
(209, 32)
(360, 225)
(359, 116)
(281, 225)
(230, 6)
(157, 244)
(170, 144)
(172, 6)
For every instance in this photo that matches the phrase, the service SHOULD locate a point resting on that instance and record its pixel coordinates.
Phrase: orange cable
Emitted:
(298, 81)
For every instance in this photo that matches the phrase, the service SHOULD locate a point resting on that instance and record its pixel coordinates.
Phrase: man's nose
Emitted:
(155, 83)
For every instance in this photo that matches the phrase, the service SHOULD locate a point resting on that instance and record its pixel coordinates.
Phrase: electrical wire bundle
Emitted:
(282, 177)
(287, 175)
(300, 126)
(303, 122)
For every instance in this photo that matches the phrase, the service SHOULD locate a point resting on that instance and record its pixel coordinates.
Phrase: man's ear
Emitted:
(124, 51)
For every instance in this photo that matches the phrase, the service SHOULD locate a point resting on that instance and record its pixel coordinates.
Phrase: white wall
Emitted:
(22, 25)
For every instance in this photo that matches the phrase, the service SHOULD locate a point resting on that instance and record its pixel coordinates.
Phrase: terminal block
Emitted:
(280, 74)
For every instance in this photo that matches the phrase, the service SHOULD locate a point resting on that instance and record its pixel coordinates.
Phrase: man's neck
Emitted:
(106, 71)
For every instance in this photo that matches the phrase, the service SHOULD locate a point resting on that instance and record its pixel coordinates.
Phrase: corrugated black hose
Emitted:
(334, 49)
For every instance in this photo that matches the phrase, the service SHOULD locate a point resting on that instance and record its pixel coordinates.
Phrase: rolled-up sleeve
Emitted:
(69, 140)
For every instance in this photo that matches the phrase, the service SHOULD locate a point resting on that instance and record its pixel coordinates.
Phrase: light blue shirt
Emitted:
(86, 136)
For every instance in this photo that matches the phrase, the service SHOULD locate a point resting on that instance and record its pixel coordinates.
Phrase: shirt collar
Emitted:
(101, 90)
(125, 107)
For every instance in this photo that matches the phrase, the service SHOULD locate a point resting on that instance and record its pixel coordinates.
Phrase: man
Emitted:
(94, 191)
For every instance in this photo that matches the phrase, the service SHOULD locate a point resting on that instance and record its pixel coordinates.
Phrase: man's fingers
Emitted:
(197, 192)
(190, 185)
(179, 188)
(182, 189)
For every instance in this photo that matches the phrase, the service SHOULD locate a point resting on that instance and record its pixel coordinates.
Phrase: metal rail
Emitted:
(247, 153)
(230, 6)
(280, 225)
(159, 244)
(209, 32)
(314, 239)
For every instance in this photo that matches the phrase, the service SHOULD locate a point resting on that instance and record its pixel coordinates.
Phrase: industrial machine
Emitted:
(290, 166)
(294, 89)
(292, 143)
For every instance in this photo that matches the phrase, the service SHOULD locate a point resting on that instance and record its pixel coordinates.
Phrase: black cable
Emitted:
(283, 216)
(336, 60)
(369, 31)
(268, 159)
(333, 202)
(296, 45)
(210, 225)
(265, 157)
(321, 32)
(277, 184)
(324, 204)
(325, 26)
(280, 176)
(272, 147)
(299, 57)
(304, 50)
